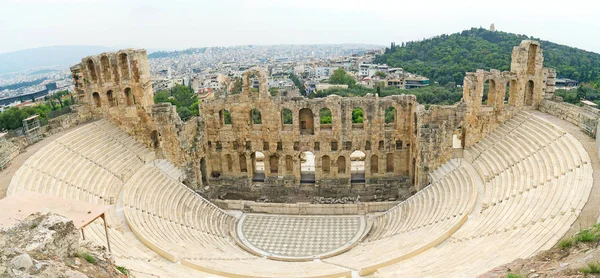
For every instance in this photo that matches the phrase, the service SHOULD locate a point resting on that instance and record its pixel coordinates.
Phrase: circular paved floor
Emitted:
(292, 237)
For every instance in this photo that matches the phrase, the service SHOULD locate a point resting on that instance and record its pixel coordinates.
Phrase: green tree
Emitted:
(340, 76)
(380, 74)
(357, 116)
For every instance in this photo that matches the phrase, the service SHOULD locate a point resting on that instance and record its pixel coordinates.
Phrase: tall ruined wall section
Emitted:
(232, 147)
(437, 128)
(227, 151)
(489, 99)
(117, 86)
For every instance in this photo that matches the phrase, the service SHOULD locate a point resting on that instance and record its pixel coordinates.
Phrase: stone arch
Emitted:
(357, 167)
(224, 117)
(326, 164)
(97, 100)
(110, 98)
(129, 97)
(306, 119)
(258, 166)
(287, 117)
(341, 165)
(307, 167)
(528, 97)
(289, 164)
(374, 164)
(92, 70)
(274, 164)
(532, 53)
(229, 162)
(389, 163)
(367, 145)
(390, 115)
(104, 62)
(489, 93)
(358, 116)
(325, 118)
(124, 65)
(255, 117)
(243, 163)
(510, 90)
(154, 139)
(262, 81)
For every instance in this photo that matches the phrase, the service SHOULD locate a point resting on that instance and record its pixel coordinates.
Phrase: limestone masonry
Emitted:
(220, 149)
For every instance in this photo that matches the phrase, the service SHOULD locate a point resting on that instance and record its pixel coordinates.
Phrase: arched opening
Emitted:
(97, 100)
(289, 164)
(531, 58)
(154, 139)
(243, 163)
(357, 167)
(274, 164)
(110, 98)
(389, 163)
(306, 121)
(529, 93)
(510, 85)
(374, 164)
(92, 70)
(307, 167)
(341, 165)
(255, 117)
(258, 167)
(225, 117)
(124, 65)
(326, 164)
(105, 68)
(325, 118)
(357, 118)
(390, 115)
(229, 162)
(415, 127)
(129, 97)
(367, 145)
(489, 93)
(491, 101)
(203, 171)
(286, 116)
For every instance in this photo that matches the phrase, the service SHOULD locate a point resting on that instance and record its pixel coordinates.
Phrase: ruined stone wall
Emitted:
(232, 147)
(584, 117)
(222, 148)
(117, 86)
(436, 129)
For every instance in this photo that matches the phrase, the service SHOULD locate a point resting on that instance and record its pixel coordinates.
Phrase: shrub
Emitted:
(565, 243)
(591, 268)
(512, 275)
(87, 256)
(123, 270)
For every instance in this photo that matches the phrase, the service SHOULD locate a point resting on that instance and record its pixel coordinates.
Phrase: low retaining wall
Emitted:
(584, 117)
(305, 208)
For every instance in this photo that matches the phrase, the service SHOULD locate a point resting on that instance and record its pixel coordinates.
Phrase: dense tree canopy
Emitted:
(12, 118)
(446, 58)
(340, 76)
(443, 95)
(183, 98)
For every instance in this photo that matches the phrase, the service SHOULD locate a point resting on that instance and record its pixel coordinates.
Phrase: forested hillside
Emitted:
(446, 58)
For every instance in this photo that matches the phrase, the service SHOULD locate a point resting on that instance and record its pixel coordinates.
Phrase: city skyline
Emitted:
(181, 25)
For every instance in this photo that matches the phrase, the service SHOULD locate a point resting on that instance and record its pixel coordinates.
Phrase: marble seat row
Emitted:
(531, 199)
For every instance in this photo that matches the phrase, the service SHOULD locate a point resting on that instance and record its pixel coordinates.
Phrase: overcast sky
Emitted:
(173, 24)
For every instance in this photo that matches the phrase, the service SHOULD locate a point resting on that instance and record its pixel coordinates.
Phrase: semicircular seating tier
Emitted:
(516, 192)
(537, 180)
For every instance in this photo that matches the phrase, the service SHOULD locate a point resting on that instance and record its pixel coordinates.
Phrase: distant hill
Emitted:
(62, 56)
(446, 58)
